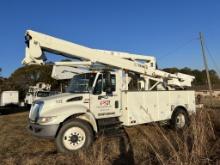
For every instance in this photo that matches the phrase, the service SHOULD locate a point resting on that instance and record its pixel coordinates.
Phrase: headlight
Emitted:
(42, 120)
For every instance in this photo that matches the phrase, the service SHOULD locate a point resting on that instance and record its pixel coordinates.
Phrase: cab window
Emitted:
(101, 85)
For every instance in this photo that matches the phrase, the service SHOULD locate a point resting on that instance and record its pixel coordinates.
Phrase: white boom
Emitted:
(38, 43)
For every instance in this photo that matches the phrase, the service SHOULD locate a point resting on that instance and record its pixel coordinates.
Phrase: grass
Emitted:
(146, 144)
(208, 102)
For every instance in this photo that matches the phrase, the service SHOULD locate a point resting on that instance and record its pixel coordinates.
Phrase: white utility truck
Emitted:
(115, 90)
(9, 98)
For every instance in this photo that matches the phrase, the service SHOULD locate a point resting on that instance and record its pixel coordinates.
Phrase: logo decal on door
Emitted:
(105, 103)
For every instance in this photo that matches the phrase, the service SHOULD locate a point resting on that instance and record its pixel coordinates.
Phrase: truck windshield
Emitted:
(81, 83)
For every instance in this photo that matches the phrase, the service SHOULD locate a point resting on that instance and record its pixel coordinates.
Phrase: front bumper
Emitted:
(45, 131)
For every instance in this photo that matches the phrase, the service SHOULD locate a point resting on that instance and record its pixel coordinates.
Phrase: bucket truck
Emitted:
(115, 90)
(35, 92)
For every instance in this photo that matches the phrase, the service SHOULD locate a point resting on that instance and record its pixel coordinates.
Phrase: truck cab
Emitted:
(90, 96)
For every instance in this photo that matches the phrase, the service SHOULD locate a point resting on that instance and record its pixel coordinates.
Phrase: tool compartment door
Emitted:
(141, 107)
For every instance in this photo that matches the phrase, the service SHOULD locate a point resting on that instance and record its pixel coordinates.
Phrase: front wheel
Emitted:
(74, 135)
(180, 119)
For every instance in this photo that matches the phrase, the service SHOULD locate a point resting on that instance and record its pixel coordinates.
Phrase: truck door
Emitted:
(104, 101)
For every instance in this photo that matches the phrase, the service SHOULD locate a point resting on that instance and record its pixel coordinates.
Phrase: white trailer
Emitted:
(117, 90)
(9, 98)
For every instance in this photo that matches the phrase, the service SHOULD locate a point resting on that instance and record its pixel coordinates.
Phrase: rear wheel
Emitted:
(74, 135)
(180, 119)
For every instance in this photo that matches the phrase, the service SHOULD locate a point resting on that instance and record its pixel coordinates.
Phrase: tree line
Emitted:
(200, 81)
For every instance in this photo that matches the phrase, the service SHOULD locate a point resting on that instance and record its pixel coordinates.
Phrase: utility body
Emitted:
(109, 90)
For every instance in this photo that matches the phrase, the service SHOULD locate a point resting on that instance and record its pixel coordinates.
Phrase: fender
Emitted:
(87, 116)
(76, 111)
(90, 119)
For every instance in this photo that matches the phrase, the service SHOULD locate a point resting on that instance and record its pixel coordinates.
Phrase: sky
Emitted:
(166, 29)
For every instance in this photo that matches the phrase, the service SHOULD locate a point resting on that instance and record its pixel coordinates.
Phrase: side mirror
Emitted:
(108, 88)
(108, 79)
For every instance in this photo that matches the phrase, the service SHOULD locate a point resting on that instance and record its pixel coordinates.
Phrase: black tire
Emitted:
(75, 123)
(178, 114)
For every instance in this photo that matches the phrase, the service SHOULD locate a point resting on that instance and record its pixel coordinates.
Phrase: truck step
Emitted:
(109, 124)
(108, 121)
(112, 126)
(113, 133)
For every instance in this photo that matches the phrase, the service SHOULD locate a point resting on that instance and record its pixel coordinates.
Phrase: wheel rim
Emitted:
(180, 120)
(74, 138)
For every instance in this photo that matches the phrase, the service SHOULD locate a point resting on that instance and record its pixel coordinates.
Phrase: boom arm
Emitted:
(38, 43)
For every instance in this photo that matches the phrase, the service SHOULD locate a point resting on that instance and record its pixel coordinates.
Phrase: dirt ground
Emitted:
(147, 144)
